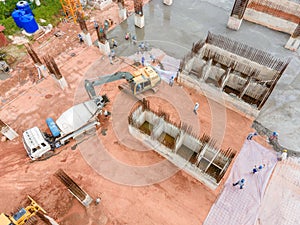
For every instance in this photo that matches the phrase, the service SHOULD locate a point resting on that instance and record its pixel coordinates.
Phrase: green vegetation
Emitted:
(49, 10)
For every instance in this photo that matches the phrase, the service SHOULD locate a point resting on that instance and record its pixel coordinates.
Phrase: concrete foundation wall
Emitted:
(191, 143)
(151, 118)
(231, 102)
(286, 6)
(215, 73)
(171, 130)
(269, 21)
(265, 72)
(197, 65)
(175, 159)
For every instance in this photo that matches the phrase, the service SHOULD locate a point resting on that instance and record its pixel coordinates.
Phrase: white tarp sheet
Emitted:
(281, 204)
(241, 206)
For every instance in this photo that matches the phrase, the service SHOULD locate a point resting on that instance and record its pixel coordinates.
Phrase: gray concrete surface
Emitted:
(174, 28)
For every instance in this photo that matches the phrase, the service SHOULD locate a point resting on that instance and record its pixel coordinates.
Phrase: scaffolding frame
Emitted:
(71, 8)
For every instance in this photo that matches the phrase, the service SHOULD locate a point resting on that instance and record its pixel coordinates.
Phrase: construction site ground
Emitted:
(121, 203)
(26, 102)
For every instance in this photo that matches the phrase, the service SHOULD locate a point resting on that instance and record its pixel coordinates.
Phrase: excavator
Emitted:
(139, 81)
(23, 216)
(82, 119)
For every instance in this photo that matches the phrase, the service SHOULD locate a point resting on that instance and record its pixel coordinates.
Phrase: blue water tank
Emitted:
(24, 6)
(28, 23)
(53, 127)
(16, 15)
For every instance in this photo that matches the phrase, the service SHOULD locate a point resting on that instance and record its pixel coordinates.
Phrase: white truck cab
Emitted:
(35, 143)
(75, 122)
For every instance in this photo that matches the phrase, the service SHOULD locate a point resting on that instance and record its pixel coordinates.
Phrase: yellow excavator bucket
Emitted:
(36, 206)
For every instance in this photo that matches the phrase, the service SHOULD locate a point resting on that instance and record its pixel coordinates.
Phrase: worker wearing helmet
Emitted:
(273, 137)
(284, 155)
(240, 182)
(114, 43)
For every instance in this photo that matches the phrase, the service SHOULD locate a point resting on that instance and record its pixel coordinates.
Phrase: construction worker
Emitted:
(106, 113)
(98, 200)
(240, 182)
(273, 137)
(251, 135)
(257, 169)
(171, 81)
(196, 107)
(143, 46)
(152, 57)
(143, 60)
(113, 54)
(114, 43)
(127, 36)
(80, 38)
(96, 25)
(134, 39)
(284, 155)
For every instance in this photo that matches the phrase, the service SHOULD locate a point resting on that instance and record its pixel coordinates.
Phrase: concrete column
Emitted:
(42, 71)
(87, 39)
(234, 23)
(246, 85)
(168, 2)
(199, 157)
(62, 83)
(211, 161)
(7, 131)
(206, 70)
(223, 79)
(139, 21)
(293, 43)
(104, 48)
(123, 13)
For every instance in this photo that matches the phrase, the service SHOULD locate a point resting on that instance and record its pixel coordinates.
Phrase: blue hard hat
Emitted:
(242, 180)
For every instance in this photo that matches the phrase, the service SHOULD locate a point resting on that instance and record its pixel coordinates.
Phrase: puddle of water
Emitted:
(167, 140)
(146, 128)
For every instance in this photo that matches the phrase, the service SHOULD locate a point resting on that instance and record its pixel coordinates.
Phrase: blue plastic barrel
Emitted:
(24, 6)
(28, 23)
(53, 127)
(16, 15)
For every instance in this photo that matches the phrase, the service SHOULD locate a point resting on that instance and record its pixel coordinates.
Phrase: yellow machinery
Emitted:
(23, 216)
(144, 79)
(139, 81)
